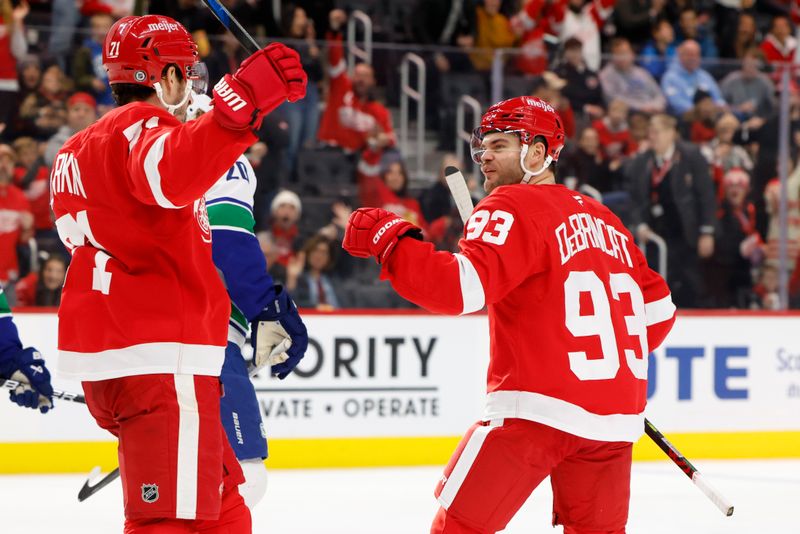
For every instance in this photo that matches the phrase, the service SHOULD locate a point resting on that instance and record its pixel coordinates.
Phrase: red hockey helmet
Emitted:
(527, 117)
(137, 49)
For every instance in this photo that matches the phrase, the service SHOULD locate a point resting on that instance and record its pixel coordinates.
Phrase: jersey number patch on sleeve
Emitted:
(599, 323)
(76, 232)
(496, 224)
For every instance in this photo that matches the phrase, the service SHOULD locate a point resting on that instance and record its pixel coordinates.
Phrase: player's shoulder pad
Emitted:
(152, 115)
(520, 198)
(237, 184)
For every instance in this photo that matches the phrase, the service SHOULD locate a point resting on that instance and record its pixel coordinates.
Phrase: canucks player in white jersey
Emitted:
(24, 365)
(279, 343)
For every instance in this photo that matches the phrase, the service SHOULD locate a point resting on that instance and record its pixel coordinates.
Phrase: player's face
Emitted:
(500, 160)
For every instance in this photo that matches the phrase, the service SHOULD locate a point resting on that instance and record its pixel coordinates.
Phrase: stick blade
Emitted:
(459, 191)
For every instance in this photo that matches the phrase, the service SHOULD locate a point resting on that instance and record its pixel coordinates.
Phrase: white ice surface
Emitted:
(766, 495)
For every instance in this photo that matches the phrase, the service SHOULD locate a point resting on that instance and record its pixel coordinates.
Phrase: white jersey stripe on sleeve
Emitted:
(188, 446)
(339, 68)
(472, 294)
(659, 310)
(152, 173)
(132, 134)
(464, 463)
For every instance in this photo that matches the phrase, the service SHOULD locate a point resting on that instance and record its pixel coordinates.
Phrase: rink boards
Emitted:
(401, 388)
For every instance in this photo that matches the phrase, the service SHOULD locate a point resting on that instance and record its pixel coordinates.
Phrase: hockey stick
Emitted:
(88, 489)
(232, 25)
(57, 393)
(458, 188)
(686, 466)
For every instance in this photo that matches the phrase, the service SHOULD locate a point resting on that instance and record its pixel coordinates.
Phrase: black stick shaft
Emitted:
(232, 25)
(673, 453)
(57, 393)
(87, 490)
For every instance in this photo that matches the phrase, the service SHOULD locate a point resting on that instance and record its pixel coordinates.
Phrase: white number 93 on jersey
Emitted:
(490, 226)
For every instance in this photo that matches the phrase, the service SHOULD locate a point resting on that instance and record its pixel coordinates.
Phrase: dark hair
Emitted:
(403, 190)
(287, 19)
(125, 93)
(778, 17)
(45, 296)
(312, 242)
(573, 42)
(51, 258)
(619, 41)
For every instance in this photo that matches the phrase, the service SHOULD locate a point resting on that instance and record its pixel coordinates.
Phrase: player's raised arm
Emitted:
(153, 60)
(517, 142)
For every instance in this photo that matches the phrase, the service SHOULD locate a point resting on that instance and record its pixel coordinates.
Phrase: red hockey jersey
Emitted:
(573, 307)
(142, 295)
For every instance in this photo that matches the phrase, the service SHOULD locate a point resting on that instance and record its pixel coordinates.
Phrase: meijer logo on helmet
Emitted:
(540, 104)
(383, 229)
(166, 26)
(228, 95)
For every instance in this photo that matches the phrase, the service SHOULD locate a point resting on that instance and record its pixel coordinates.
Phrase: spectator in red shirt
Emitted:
(353, 119)
(779, 46)
(13, 47)
(33, 177)
(16, 219)
(390, 192)
(43, 288)
(615, 137)
(702, 118)
(285, 212)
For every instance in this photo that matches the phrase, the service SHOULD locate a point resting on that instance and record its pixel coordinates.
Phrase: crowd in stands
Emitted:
(671, 109)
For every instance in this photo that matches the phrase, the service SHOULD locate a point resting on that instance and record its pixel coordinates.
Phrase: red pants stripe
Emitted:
(174, 456)
(498, 465)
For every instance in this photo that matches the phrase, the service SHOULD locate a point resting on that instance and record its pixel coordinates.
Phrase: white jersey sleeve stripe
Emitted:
(659, 310)
(472, 294)
(188, 446)
(152, 173)
(132, 134)
(338, 69)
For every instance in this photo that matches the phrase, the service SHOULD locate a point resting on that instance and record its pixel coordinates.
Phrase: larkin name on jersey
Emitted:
(142, 295)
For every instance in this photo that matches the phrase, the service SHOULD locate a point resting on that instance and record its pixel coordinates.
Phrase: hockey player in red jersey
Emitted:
(143, 320)
(573, 313)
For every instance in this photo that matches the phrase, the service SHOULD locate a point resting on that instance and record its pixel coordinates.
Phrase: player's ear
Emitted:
(171, 78)
(536, 154)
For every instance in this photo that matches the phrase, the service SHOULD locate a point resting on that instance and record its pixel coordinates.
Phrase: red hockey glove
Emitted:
(375, 232)
(264, 81)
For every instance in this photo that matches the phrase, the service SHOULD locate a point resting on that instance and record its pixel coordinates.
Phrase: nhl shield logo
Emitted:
(149, 493)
